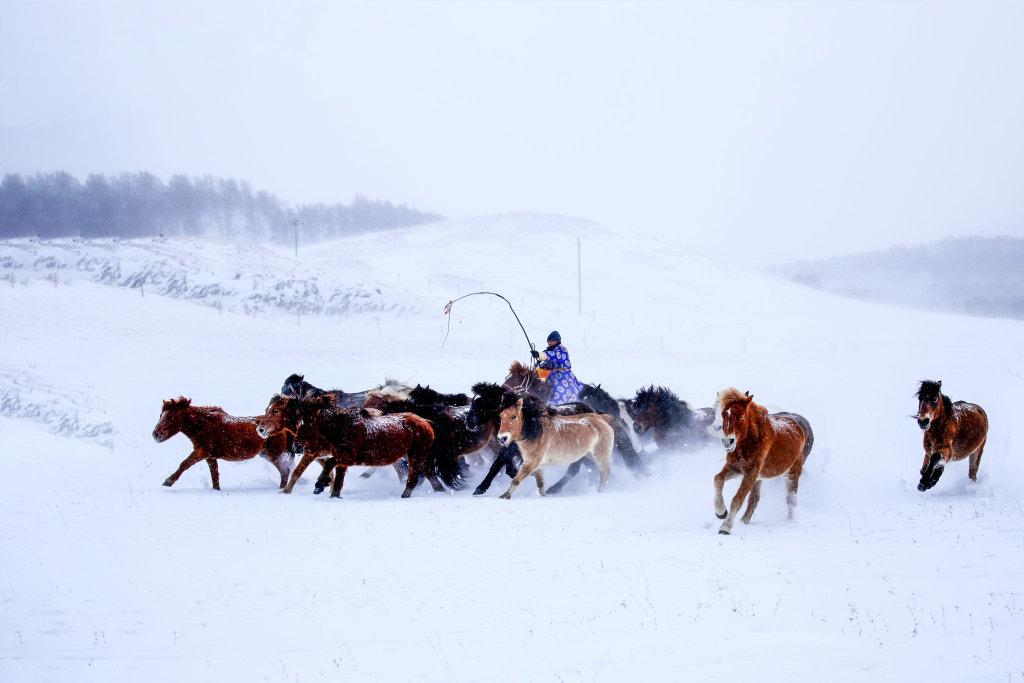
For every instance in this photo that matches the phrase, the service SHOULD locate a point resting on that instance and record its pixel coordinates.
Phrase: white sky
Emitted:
(768, 130)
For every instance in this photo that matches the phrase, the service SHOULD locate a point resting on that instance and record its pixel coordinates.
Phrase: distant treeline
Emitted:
(50, 205)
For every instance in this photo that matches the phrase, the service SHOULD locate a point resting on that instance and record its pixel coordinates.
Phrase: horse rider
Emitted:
(565, 388)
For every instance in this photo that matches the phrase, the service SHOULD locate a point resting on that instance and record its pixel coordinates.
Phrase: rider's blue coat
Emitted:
(565, 388)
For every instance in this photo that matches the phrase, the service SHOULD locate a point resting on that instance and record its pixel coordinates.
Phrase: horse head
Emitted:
(171, 418)
(645, 408)
(280, 416)
(735, 419)
(929, 403)
(488, 402)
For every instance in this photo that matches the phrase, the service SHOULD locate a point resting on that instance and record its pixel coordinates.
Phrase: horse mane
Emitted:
(294, 378)
(930, 391)
(426, 396)
(519, 369)
(669, 406)
(181, 400)
(599, 399)
(533, 409)
(727, 396)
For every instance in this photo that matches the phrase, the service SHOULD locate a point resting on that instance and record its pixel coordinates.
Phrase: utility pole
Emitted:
(295, 224)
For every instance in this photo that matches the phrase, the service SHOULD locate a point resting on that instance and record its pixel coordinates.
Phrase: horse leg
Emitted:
(624, 447)
(214, 473)
(193, 457)
(728, 472)
(297, 472)
(752, 500)
(502, 459)
(538, 474)
(602, 455)
(339, 480)
(569, 474)
(325, 476)
(746, 486)
(792, 483)
(975, 461)
(526, 470)
(284, 468)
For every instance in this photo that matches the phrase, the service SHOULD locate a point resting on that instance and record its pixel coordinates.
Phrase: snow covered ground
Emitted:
(107, 575)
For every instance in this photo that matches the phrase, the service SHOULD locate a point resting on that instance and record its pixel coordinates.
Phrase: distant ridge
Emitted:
(974, 275)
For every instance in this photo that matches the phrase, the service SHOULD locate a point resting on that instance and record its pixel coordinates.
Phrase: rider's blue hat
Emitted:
(555, 337)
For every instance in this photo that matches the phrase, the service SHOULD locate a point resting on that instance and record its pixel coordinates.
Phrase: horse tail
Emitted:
(808, 432)
(624, 446)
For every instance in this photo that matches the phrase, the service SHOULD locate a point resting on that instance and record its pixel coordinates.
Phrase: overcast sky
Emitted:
(772, 130)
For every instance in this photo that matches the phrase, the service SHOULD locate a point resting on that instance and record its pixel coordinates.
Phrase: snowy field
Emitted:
(106, 575)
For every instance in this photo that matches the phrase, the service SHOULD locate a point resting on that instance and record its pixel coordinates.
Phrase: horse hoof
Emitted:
(920, 487)
(317, 490)
(168, 483)
(506, 496)
(722, 516)
(723, 532)
(479, 492)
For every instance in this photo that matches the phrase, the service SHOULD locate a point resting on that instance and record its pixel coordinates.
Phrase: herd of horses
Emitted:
(425, 434)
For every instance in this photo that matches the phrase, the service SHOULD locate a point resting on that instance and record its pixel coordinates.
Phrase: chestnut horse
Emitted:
(675, 425)
(952, 431)
(216, 435)
(354, 437)
(547, 439)
(758, 446)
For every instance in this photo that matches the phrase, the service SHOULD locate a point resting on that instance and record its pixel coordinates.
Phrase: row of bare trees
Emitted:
(50, 205)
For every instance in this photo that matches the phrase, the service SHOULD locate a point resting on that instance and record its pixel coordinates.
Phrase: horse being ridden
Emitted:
(758, 446)
(547, 439)
(952, 431)
(675, 425)
(216, 435)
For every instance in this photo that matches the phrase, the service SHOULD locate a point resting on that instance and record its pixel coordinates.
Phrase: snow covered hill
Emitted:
(107, 575)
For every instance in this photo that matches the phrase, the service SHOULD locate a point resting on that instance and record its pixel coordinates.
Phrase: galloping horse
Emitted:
(353, 437)
(215, 434)
(546, 439)
(297, 387)
(952, 431)
(676, 426)
(758, 446)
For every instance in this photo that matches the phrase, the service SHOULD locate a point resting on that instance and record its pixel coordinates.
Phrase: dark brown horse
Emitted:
(758, 446)
(525, 381)
(952, 431)
(216, 435)
(296, 386)
(282, 417)
(675, 425)
(353, 437)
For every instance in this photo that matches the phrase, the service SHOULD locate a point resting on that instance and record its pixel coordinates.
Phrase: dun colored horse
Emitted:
(547, 439)
(952, 431)
(216, 435)
(758, 446)
(675, 425)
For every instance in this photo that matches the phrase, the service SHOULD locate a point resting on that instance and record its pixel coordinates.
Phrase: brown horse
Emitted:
(282, 417)
(215, 434)
(525, 381)
(548, 439)
(758, 446)
(952, 431)
(354, 437)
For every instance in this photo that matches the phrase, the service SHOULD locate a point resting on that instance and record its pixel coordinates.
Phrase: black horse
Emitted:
(297, 387)
(675, 425)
